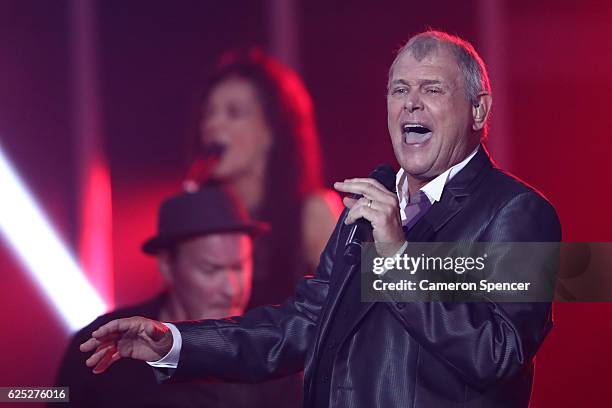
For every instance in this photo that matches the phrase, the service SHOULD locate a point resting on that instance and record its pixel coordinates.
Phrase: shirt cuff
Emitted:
(171, 359)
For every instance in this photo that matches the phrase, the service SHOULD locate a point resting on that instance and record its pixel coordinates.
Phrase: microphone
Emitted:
(361, 231)
(202, 166)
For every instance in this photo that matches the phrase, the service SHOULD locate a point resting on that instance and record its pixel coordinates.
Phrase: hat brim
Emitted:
(160, 242)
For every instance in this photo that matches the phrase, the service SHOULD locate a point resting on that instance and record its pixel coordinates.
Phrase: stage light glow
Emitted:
(45, 257)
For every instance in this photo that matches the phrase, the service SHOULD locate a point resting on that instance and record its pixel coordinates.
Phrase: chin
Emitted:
(223, 173)
(415, 164)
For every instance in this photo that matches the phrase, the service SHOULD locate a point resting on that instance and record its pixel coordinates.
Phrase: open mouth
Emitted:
(415, 133)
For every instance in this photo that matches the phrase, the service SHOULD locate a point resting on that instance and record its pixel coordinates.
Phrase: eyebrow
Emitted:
(421, 82)
(213, 264)
(432, 82)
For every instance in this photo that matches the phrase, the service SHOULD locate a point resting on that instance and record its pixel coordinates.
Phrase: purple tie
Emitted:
(416, 208)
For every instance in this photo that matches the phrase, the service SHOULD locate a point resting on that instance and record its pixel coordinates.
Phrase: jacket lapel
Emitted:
(453, 198)
(451, 203)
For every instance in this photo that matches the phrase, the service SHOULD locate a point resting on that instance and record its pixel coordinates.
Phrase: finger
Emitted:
(372, 211)
(375, 183)
(102, 348)
(373, 191)
(89, 345)
(384, 229)
(361, 210)
(155, 330)
(369, 182)
(107, 361)
(103, 330)
(349, 202)
(117, 326)
(98, 343)
(99, 354)
(108, 341)
(356, 187)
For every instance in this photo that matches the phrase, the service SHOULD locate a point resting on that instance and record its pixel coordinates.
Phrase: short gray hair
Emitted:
(470, 64)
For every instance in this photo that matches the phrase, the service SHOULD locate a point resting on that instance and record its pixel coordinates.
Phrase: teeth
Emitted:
(410, 126)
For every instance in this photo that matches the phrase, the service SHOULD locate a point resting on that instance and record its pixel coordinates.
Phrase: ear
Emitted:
(480, 110)
(165, 264)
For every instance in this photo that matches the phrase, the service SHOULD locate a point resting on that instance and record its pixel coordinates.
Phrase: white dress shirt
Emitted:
(433, 189)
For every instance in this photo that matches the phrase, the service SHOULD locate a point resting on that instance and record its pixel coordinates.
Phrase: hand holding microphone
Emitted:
(202, 166)
(374, 211)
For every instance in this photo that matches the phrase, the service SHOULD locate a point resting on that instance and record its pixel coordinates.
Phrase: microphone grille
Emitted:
(384, 174)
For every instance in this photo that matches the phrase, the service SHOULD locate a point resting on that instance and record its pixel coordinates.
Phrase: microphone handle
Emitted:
(360, 232)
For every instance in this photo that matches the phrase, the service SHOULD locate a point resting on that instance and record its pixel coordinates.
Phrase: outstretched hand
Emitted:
(133, 337)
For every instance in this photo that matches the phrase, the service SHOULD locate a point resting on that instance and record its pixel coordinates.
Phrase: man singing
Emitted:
(387, 354)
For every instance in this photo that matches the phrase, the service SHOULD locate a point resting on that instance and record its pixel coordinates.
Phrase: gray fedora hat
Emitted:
(214, 208)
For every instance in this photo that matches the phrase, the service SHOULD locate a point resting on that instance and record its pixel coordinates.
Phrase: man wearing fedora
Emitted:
(203, 248)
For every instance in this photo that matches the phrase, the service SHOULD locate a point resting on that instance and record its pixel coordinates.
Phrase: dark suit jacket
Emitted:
(132, 383)
(414, 354)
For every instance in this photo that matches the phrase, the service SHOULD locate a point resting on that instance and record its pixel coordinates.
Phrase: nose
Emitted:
(232, 288)
(413, 102)
(211, 123)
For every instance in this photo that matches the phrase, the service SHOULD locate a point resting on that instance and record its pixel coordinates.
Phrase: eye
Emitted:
(433, 90)
(235, 111)
(399, 91)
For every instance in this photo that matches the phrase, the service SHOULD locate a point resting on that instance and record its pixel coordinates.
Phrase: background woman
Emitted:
(261, 115)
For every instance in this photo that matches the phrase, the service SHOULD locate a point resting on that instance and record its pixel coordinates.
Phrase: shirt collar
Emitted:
(433, 190)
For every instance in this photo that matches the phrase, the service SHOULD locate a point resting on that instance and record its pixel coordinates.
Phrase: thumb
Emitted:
(156, 330)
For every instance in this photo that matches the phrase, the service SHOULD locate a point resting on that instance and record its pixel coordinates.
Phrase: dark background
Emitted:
(550, 62)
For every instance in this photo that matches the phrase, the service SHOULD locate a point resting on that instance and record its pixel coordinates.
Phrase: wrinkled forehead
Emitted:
(436, 62)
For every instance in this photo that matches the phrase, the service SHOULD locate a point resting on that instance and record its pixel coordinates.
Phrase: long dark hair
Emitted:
(293, 170)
